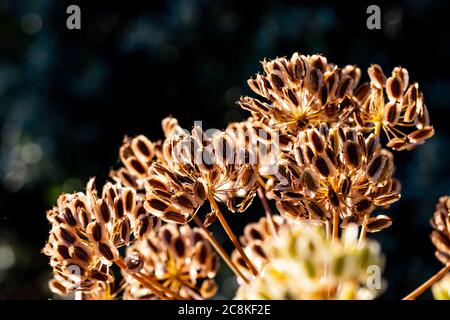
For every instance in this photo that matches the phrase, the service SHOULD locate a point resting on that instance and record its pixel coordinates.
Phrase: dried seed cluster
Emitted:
(179, 258)
(313, 146)
(306, 266)
(305, 91)
(87, 231)
(197, 168)
(335, 170)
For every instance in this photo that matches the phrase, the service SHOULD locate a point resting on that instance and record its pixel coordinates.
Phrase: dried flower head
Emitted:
(305, 266)
(396, 107)
(441, 229)
(335, 171)
(87, 231)
(198, 168)
(302, 92)
(179, 258)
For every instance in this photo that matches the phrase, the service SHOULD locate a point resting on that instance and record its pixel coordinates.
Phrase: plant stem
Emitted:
(231, 235)
(268, 212)
(335, 224)
(427, 284)
(220, 250)
(363, 233)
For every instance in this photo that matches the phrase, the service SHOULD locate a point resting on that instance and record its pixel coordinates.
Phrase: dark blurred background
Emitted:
(67, 98)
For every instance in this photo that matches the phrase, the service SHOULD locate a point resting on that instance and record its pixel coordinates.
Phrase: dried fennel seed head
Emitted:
(335, 170)
(87, 230)
(305, 265)
(197, 168)
(304, 91)
(180, 258)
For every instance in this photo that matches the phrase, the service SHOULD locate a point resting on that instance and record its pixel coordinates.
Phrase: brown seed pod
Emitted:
(377, 77)
(378, 223)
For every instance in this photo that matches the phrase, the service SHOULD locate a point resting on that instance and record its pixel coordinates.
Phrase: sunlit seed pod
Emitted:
(297, 67)
(107, 251)
(391, 113)
(278, 79)
(420, 135)
(403, 74)
(134, 262)
(387, 199)
(310, 180)
(323, 166)
(377, 76)
(376, 167)
(174, 216)
(354, 72)
(143, 226)
(142, 148)
(331, 82)
(291, 96)
(314, 80)
(69, 217)
(410, 114)
(398, 144)
(63, 252)
(394, 88)
(252, 233)
(80, 252)
(317, 61)
(291, 211)
(135, 167)
(58, 288)
(316, 141)
(208, 289)
(316, 210)
(362, 92)
(96, 232)
(129, 198)
(308, 153)
(352, 153)
(378, 223)
(125, 230)
(119, 210)
(247, 177)
(184, 201)
(345, 85)
(199, 192)
(156, 183)
(333, 197)
(103, 211)
(363, 205)
(345, 185)
(293, 196)
(67, 236)
(254, 85)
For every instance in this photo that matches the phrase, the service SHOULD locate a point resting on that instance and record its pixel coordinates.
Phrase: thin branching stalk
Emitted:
(220, 250)
(267, 210)
(231, 235)
(427, 284)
